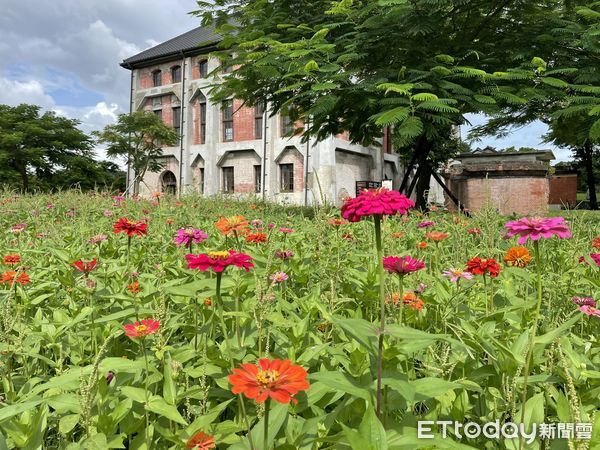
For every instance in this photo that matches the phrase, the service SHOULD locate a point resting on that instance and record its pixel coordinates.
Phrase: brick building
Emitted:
(234, 149)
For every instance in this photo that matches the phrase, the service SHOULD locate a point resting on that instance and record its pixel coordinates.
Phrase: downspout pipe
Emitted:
(127, 176)
(181, 125)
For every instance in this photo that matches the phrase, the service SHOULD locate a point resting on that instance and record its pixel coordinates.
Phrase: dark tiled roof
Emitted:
(192, 40)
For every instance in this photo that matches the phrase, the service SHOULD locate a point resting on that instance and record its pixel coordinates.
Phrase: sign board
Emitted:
(362, 185)
(388, 184)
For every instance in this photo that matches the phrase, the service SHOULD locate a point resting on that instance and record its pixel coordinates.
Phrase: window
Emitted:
(287, 177)
(156, 78)
(228, 186)
(287, 126)
(201, 180)
(259, 112)
(158, 113)
(203, 122)
(177, 119)
(176, 74)
(169, 182)
(228, 120)
(203, 66)
(257, 178)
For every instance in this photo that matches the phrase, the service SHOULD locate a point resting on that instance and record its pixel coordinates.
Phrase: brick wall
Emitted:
(166, 106)
(243, 163)
(243, 122)
(518, 195)
(292, 156)
(563, 189)
(145, 74)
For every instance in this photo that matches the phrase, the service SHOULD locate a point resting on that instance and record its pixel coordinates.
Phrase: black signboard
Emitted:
(362, 185)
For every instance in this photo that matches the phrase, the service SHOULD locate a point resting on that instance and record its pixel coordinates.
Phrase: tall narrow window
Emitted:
(287, 126)
(259, 112)
(228, 186)
(203, 122)
(201, 180)
(203, 67)
(176, 74)
(177, 119)
(287, 177)
(156, 78)
(228, 120)
(158, 113)
(257, 178)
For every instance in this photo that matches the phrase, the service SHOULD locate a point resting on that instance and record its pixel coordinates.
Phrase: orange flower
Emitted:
(409, 300)
(337, 222)
(207, 302)
(169, 221)
(276, 379)
(10, 276)
(134, 287)
(398, 235)
(12, 259)
(231, 225)
(256, 238)
(596, 242)
(421, 245)
(253, 206)
(201, 441)
(436, 236)
(518, 257)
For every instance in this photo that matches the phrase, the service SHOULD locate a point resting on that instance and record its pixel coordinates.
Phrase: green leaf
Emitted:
(554, 82)
(277, 417)
(372, 429)
(547, 338)
(362, 331)
(424, 96)
(339, 382)
(67, 423)
(595, 130)
(169, 387)
(134, 393)
(159, 406)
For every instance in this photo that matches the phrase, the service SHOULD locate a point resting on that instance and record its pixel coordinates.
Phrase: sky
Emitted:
(64, 55)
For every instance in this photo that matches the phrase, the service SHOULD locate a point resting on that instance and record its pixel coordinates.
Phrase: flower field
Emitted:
(214, 324)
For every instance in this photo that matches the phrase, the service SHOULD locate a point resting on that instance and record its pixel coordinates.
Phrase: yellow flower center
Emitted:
(267, 377)
(141, 329)
(218, 255)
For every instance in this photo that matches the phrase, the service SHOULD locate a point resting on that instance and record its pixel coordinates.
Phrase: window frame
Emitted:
(225, 171)
(286, 170)
(227, 119)
(257, 178)
(157, 78)
(203, 63)
(259, 115)
(202, 121)
(173, 71)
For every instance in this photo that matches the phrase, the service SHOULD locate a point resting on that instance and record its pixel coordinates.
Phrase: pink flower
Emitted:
(538, 227)
(455, 275)
(590, 310)
(98, 238)
(108, 213)
(474, 231)
(185, 236)
(141, 329)
(583, 301)
(402, 265)
(426, 224)
(219, 261)
(286, 230)
(284, 254)
(375, 202)
(595, 257)
(278, 277)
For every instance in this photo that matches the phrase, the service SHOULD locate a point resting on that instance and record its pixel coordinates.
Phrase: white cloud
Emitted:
(14, 92)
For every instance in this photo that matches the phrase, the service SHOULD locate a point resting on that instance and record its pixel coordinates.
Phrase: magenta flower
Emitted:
(455, 275)
(584, 301)
(186, 236)
(426, 224)
(537, 227)
(286, 230)
(284, 254)
(595, 257)
(590, 310)
(376, 202)
(278, 277)
(108, 213)
(98, 238)
(18, 228)
(402, 265)
(258, 224)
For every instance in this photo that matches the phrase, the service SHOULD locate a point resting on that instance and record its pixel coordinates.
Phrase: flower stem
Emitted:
(401, 298)
(266, 424)
(538, 265)
(146, 393)
(377, 220)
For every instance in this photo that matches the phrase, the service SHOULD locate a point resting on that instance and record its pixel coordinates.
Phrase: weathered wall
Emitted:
(563, 189)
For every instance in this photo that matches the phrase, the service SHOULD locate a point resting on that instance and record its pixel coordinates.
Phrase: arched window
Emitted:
(169, 182)
(156, 78)
(176, 74)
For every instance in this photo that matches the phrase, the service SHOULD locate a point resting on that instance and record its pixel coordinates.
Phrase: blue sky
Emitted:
(64, 55)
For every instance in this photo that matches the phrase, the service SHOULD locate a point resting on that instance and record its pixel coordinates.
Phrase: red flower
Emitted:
(402, 265)
(256, 238)
(141, 329)
(12, 259)
(134, 287)
(201, 441)
(10, 276)
(478, 266)
(375, 202)
(130, 227)
(219, 261)
(596, 242)
(85, 267)
(275, 379)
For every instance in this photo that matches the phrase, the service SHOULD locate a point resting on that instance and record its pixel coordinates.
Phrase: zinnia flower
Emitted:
(337, 222)
(186, 236)
(18, 228)
(141, 329)
(518, 257)
(278, 277)
(596, 242)
(436, 236)
(538, 227)
(98, 238)
(455, 275)
(256, 238)
(130, 227)
(474, 231)
(426, 224)
(10, 276)
(402, 265)
(201, 441)
(375, 202)
(134, 287)
(12, 259)
(421, 245)
(583, 301)
(286, 230)
(219, 261)
(478, 266)
(231, 225)
(85, 267)
(276, 379)
(409, 300)
(284, 254)
(398, 235)
(590, 310)
(594, 256)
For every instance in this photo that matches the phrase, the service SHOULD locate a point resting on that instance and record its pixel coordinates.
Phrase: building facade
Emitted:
(229, 148)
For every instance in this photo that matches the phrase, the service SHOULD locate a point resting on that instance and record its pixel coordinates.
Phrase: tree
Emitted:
(417, 66)
(37, 145)
(88, 175)
(139, 137)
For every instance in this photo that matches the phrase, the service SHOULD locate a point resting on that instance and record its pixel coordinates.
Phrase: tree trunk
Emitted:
(588, 161)
(424, 181)
(22, 169)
